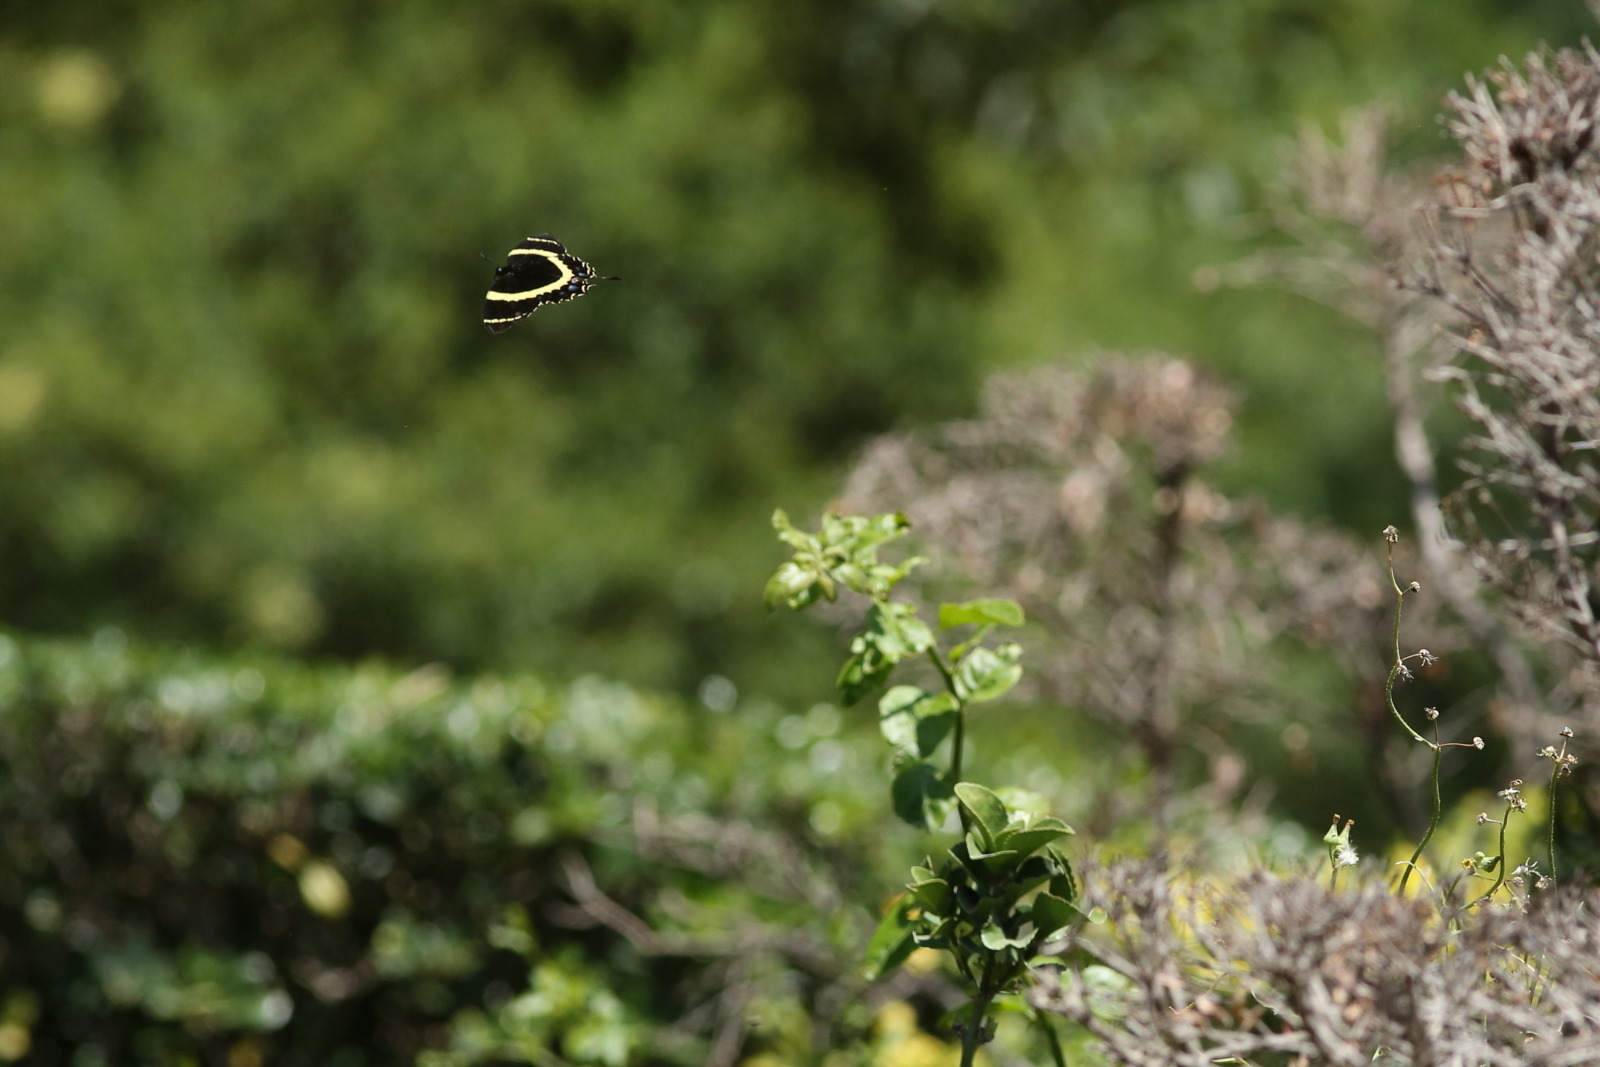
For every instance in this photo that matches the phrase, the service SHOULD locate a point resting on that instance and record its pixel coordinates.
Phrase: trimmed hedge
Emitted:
(246, 860)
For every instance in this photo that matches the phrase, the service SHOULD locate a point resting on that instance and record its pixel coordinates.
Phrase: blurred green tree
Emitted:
(244, 397)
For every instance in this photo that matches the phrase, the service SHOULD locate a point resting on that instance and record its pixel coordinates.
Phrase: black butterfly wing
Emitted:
(537, 272)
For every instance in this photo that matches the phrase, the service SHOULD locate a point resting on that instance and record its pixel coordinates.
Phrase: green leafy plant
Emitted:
(1004, 889)
(263, 857)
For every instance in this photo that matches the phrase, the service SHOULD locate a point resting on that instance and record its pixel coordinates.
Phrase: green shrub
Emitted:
(248, 860)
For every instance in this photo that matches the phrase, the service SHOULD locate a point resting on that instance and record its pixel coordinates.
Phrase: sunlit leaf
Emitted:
(986, 612)
(984, 674)
(985, 808)
(892, 941)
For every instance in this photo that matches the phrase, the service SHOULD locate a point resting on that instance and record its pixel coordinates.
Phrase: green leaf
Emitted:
(892, 941)
(1051, 915)
(793, 586)
(894, 629)
(915, 720)
(998, 866)
(865, 669)
(1030, 840)
(915, 635)
(984, 674)
(864, 535)
(935, 725)
(897, 715)
(856, 679)
(967, 898)
(1025, 806)
(986, 862)
(935, 896)
(876, 580)
(986, 612)
(941, 808)
(791, 536)
(891, 575)
(915, 793)
(853, 578)
(892, 633)
(993, 937)
(515, 934)
(1063, 885)
(1031, 873)
(985, 808)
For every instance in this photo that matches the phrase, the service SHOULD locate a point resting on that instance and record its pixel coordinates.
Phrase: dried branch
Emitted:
(1513, 254)
(1284, 966)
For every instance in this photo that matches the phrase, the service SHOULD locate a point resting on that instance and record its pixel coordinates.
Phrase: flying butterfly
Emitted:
(538, 271)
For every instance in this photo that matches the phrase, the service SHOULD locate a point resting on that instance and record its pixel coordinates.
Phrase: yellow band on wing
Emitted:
(566, 276)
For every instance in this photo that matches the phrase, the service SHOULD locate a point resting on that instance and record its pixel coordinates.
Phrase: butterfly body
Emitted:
(537, 272)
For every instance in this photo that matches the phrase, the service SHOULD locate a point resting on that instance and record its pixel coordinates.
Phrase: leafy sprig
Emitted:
(1004, 889)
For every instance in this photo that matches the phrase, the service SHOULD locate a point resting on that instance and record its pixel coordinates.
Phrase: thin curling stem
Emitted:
(1388, 695)
(1551, 823)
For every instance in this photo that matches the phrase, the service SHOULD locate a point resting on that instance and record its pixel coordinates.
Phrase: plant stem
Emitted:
(1056, 1056)
(1433, 821)
(1399, 664)
(1551, 820)
(1499, 867)
(972, 1033)
(1438, 750)
(958, 744)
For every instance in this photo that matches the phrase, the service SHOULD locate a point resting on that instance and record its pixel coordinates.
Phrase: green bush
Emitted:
(247, 860)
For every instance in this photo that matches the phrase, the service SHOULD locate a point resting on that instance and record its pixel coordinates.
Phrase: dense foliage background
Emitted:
(248, 416)
(246, 399)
